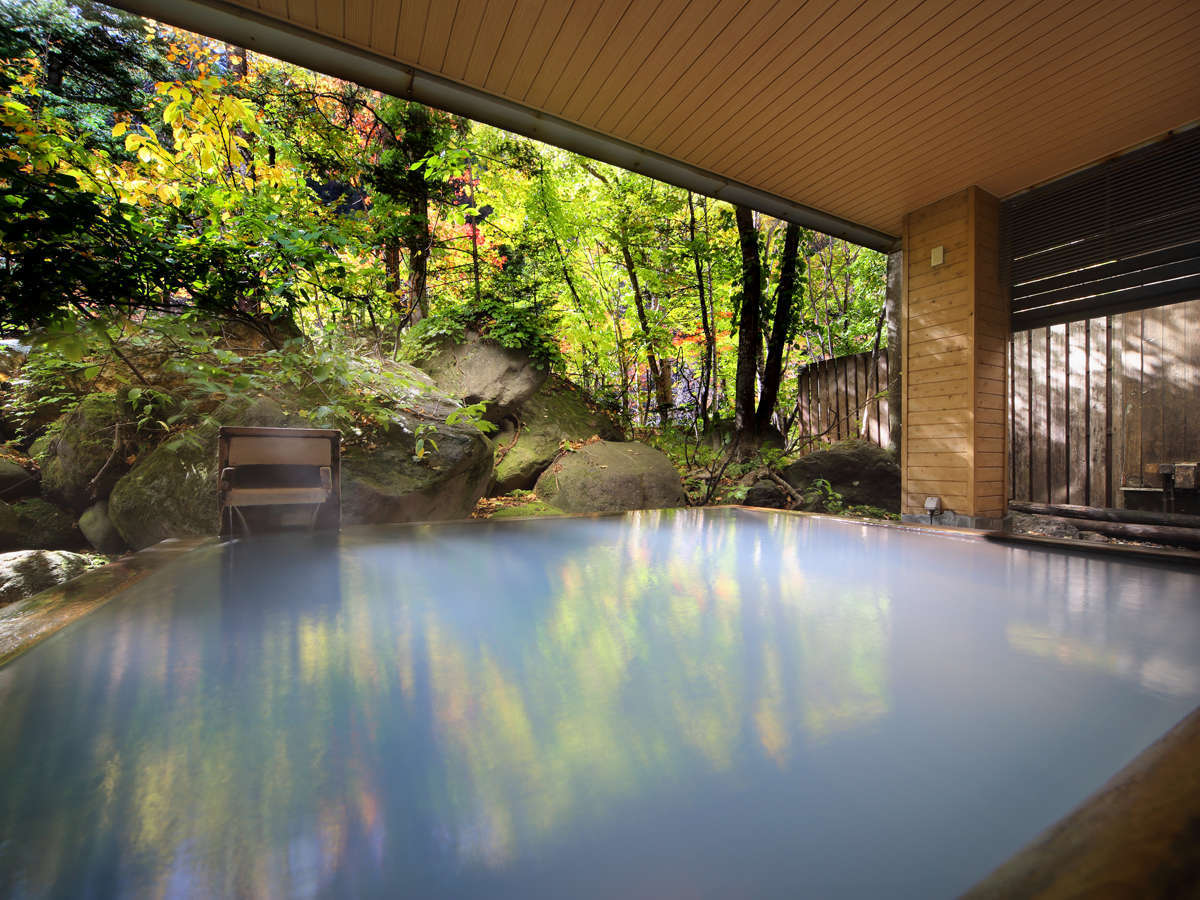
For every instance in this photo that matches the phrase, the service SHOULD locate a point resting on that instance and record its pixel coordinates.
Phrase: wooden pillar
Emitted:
(954, 335)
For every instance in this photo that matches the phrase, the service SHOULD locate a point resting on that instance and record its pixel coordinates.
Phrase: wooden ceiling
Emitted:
(865, 109)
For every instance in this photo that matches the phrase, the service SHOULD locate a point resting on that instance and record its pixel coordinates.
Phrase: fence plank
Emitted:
(1116, 409)
(1153, 378)
(1039, 427)
(1058, 413)
(852, 407)
(1077, 412)
(1132, 351)
(802, 400)
(1190, 314)
(885, 402)
(1097, 409)
(843, 394)
(1021, 413)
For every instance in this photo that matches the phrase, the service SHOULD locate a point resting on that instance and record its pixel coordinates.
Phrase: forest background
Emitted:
(156, 182)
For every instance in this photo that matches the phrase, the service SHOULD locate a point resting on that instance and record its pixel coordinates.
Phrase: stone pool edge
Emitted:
(28, 622)
(1127, 552)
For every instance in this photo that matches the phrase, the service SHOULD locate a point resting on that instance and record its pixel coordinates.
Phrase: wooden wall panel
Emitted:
(1097, 400)
(955, 358)
(1019, 416)
(1097, 405)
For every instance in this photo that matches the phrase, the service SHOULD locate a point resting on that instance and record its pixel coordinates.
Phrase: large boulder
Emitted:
(34, 524)
(24, 573)
(386, 484)
(171, 492)
(480, 370)
(559, 411)
(605, 476)
(16, 481)
(77, 449)
(767, 494)
(863, 473)
(99, 530)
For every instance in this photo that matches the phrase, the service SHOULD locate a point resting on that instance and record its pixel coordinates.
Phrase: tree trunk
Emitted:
(475, 246)
(418, 262)
(391, 266)
(706, 365)
(749, 324)
(784, 295)
(662, 386)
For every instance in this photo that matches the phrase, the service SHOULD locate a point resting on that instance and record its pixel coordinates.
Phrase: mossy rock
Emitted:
(606, 476)
(863, 473)
(99, 530)
(76, 449)
(533, 509)
(24, 573)
(479, 370)
(171, 492)
(35, 524)
(559, 411)
(386, 484)
(16, 481)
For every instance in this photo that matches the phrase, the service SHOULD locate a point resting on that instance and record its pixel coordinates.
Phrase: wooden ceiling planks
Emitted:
(357, 26)
(864, 108)
(513, 43)
(582, 28)
(1046, 126)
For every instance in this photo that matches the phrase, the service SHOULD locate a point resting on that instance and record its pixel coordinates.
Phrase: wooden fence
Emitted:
(843, 398)
(1096, 405)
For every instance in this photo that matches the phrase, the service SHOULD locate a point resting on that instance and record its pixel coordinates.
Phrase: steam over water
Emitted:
(666, 704)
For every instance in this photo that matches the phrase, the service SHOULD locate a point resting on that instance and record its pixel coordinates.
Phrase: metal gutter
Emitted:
(282, 40)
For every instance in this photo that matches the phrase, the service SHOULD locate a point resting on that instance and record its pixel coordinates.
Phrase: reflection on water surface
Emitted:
(665, 704)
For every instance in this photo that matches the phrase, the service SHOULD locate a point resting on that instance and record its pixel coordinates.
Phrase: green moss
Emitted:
(535, 508)
(171, 492)
(558, 411)
(34, 524)
(76, 448)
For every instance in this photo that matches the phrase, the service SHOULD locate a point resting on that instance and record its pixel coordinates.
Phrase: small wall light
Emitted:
(933, 506)
(937, 256)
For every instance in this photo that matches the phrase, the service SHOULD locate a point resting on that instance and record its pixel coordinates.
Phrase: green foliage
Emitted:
(424, 435)
(862, 511)
(156, 189)
(93, 60)
(822, 496)
(517, 326)
(473, 415)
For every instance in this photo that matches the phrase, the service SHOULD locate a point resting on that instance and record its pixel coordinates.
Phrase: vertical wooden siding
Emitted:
(844, 398)
(1094, 403)
(939, 326)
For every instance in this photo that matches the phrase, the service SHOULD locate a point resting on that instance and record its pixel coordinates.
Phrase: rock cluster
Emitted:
(862, 473)
(94, 481)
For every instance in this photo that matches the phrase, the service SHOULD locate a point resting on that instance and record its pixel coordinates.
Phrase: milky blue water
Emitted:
(665, 704)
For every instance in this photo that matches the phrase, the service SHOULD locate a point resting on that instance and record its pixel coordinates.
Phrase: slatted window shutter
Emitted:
(1119, 236)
